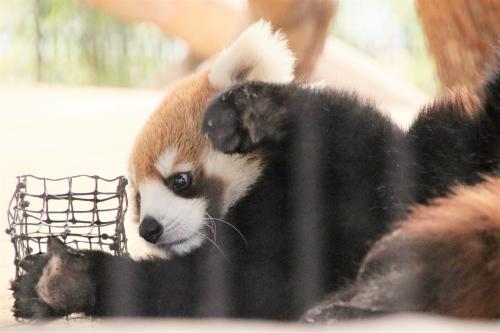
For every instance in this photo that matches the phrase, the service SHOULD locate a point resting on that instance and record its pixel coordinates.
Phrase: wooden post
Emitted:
(462, 36)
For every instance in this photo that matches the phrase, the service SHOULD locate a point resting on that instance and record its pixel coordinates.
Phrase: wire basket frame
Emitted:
(86, 212)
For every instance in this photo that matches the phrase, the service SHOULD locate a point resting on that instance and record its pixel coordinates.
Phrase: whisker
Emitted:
(211, 226)
(233, 227)
(213, 243)
(207, 238)
(214, 227)
(171, 227)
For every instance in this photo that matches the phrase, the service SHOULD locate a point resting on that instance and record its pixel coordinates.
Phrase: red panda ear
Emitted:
(257, 54)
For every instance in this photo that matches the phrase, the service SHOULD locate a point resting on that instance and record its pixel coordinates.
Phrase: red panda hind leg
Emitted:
(444, 259)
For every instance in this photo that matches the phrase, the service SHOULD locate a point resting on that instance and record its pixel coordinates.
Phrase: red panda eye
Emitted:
(179, 182)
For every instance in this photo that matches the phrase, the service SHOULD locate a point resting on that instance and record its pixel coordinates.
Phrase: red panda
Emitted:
(171, 145)
(267, 194)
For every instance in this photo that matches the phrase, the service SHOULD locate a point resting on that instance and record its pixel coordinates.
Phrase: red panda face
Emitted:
(180, 181)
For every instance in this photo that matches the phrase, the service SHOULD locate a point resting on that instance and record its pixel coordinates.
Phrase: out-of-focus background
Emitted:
(69, 42)
(79, 77)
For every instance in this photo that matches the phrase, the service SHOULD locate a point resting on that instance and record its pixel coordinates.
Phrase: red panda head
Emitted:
(179, 179)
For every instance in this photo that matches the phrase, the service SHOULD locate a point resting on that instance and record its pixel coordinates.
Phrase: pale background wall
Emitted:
(61, 131)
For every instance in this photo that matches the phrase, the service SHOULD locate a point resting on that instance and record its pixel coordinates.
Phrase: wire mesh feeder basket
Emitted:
(86, 212)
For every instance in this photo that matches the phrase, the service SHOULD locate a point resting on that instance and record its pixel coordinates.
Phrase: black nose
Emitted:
(150, 229)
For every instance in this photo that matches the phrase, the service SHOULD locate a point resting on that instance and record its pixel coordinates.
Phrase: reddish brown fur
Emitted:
(460, 99)
(463, 99)
(177, 124)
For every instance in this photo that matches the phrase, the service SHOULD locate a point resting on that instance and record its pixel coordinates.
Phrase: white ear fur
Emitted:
(257, 54)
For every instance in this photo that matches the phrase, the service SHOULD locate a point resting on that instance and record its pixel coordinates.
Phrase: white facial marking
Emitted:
(182, 167)
(182, 219)
(190, 245)
(165, 164)
(166, 161)
(138, 247)
(131, 175)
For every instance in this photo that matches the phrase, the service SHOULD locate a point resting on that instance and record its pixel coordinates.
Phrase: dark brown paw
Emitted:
(225, 131)
(223, 124)
(32, 308)
(244, 117)
(27, 304)
(34, 264)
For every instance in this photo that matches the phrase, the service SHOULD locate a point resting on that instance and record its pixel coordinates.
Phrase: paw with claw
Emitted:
(54, 284)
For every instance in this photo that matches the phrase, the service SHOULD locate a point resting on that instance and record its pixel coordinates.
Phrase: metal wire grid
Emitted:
(86, 212)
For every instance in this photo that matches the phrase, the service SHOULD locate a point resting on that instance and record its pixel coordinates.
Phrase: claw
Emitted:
(24, 286)
(23, 308)
(14, 285)
(32, 308)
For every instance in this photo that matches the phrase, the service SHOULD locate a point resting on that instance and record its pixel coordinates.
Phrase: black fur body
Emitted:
(337, 174)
